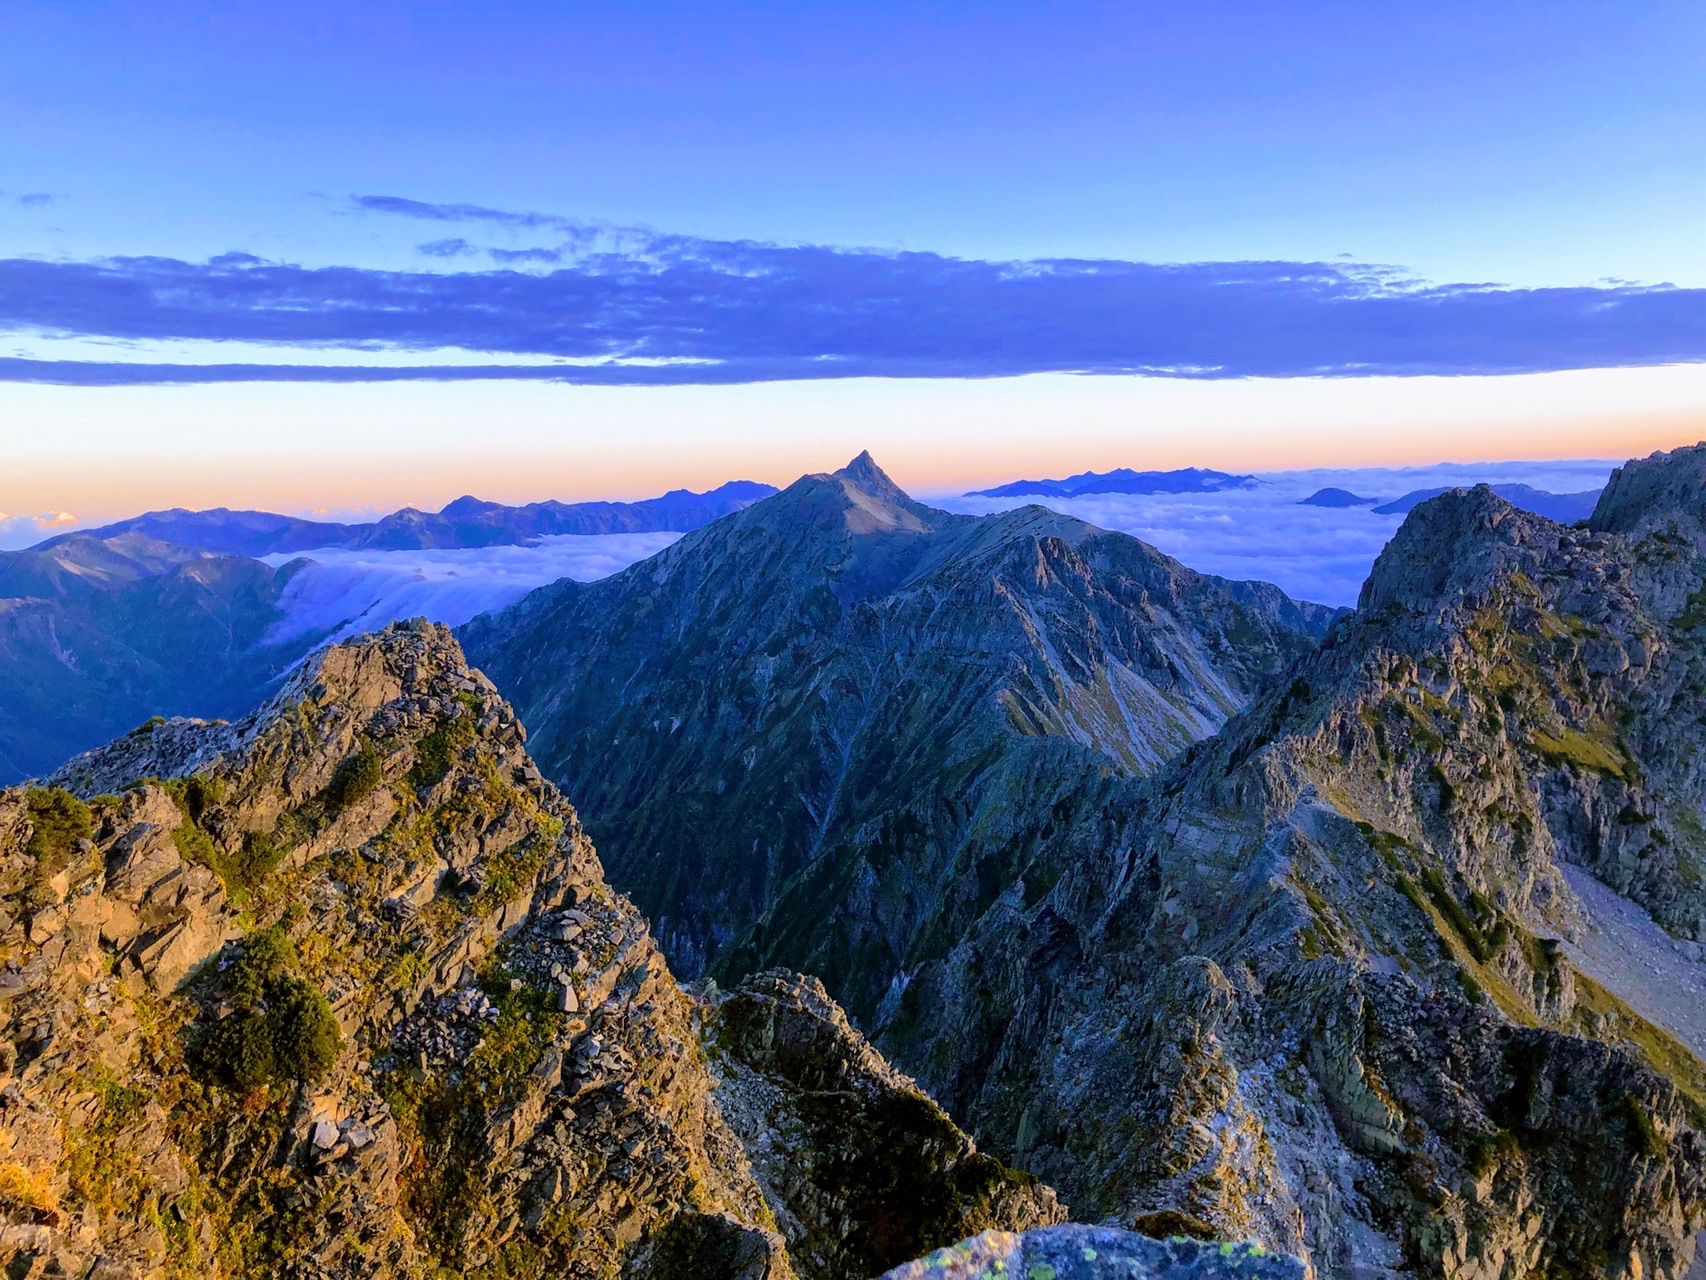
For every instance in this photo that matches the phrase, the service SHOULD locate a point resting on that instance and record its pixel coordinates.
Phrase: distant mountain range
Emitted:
(466, 522)
(172, 612)
(1226, 916)
(841, 677)
(1121, 480)
(98, 634)
(1565, 508)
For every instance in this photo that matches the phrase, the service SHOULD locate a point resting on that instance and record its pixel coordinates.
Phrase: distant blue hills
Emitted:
(1121, 480)
(1566, 508)
(1336, 498)
(466, 522)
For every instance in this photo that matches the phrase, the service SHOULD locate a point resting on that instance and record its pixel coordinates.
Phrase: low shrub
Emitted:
(356, 778)
(281, 1028)
(59, 821)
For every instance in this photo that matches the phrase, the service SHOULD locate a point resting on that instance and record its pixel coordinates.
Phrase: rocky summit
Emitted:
(340, 990)
(813, 734)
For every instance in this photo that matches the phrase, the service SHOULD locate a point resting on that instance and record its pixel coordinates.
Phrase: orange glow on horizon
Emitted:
(369, 449)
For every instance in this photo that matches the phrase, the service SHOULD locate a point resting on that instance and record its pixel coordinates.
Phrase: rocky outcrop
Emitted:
(339, 990)
(804, 732)
(860, 1163)
(1095, 1253)
(1311, 984)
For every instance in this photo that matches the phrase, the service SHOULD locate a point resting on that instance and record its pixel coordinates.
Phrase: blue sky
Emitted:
(710, 194)
(1525, 143)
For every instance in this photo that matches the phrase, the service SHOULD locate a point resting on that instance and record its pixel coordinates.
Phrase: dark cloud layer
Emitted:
(741, 311)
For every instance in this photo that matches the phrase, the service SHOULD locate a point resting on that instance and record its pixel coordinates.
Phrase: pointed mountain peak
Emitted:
(864, 473)
(875, 502)
(468, 505)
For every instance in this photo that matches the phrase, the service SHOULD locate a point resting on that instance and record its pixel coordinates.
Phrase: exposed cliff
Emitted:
(340, 990)
(803, 733)
(1313, 982)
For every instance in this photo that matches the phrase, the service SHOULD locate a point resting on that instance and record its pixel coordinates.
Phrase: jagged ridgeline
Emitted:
(1215, 930)
(1347, 977)
(340, 991)
(812, 734)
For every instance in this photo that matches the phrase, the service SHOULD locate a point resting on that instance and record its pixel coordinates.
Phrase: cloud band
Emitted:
(738, 311)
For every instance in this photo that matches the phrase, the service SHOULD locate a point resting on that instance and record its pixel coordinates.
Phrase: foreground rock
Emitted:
(1096, 1253)
(340, 991)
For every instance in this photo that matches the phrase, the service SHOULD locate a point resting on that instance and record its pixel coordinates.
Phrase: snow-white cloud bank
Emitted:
(348, 592)
(1312, 553)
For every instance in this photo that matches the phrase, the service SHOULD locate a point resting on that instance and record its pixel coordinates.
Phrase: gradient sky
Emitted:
(610, 249)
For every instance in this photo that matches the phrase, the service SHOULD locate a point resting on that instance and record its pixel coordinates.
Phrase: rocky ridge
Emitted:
(803, 732)
(1309, 983)
(340, 990)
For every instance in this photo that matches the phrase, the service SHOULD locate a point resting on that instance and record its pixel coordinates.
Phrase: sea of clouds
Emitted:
(1312, 553)
(347, 592)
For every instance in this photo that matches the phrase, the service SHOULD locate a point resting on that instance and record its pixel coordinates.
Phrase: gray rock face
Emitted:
(861, 1162)
(1303, 983)
(803, 731)
(1663, 492)
(1307, 984)
(1096, 1253)
(339, 990)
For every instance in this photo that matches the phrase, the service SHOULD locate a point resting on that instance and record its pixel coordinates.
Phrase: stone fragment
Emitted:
(1075, 1252)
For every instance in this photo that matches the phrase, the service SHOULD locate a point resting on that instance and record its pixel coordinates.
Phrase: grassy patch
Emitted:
(442, 1121)
(1439, 893)
(59, 821)
(436, 752)
(356, 778)
(1577, 750)
(1667, 1055)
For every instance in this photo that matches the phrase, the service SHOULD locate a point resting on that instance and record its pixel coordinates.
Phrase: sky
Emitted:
(340, 257)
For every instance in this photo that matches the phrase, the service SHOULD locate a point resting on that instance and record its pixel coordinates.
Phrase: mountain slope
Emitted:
(106, 633)
(800, 731)
(1566, 508)
(340, 991)
(1313, 982)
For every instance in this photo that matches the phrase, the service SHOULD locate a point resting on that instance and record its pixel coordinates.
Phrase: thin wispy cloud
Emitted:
(643, 307)
(406, 208)
(452, 248)
(512, 257)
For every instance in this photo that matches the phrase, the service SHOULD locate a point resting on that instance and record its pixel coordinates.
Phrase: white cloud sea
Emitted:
(349, 592)
(1312, 553)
